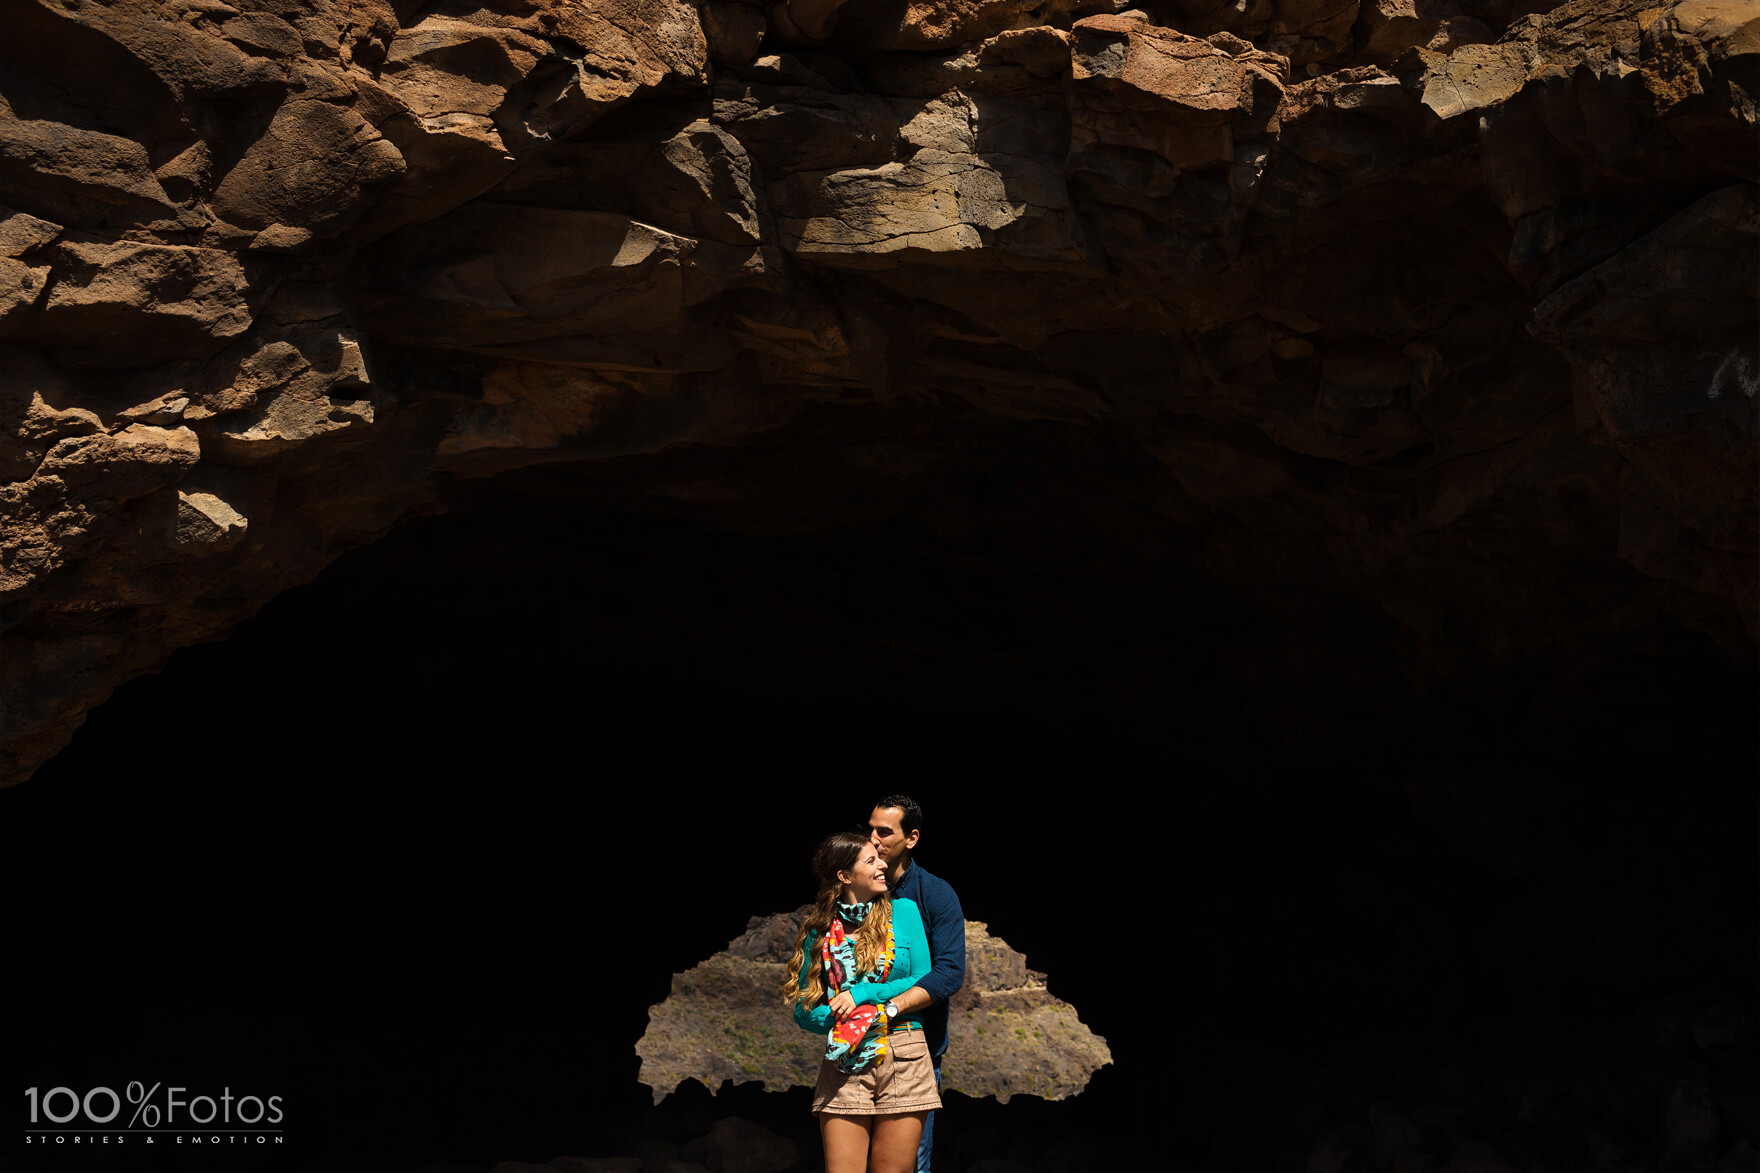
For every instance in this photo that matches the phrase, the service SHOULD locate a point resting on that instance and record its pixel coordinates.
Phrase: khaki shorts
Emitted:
(904, 1082)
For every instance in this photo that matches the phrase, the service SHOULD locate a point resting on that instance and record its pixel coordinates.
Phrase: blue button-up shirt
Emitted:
(946, 926)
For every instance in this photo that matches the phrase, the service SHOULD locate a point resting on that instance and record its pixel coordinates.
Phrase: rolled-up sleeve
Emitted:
(947, 943)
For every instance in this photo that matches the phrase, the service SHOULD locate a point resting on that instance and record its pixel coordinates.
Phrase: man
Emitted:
(896, 826)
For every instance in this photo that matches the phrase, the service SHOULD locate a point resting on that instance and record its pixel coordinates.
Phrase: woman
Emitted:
(857, 951)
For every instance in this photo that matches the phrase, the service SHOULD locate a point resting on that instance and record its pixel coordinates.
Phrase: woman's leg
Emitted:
(846, 1142)
(894, 1145)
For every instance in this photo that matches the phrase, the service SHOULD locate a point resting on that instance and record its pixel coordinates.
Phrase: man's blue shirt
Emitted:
(946, 926)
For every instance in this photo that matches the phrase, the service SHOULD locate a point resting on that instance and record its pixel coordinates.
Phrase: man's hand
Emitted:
(843, 1005)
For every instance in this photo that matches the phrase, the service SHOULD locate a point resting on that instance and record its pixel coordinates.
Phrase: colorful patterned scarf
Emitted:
(859, 1040)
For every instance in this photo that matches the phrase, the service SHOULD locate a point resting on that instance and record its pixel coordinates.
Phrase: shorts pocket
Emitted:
(908, 1047)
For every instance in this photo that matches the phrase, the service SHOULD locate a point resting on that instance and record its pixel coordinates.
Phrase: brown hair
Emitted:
(838, 853)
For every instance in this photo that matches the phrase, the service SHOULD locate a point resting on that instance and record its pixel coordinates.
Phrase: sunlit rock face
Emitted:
(1009, 1035)
(725, 1021)
(1444, 307)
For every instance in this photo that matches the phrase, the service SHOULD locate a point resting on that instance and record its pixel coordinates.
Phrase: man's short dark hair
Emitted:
(910, 814)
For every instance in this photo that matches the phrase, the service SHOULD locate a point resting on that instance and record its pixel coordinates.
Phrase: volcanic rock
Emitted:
(1442, 309)
(725, 1020)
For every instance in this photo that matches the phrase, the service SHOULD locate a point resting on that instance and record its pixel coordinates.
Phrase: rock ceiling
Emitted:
(1456, 299)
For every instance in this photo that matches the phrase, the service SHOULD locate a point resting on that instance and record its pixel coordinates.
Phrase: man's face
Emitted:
(886, 828)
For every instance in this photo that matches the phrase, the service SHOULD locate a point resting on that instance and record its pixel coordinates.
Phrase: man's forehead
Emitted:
(885, 816)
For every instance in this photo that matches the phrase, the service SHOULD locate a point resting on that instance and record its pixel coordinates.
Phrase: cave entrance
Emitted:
(382, 817)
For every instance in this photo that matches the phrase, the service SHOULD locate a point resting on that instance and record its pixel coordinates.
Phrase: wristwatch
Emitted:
(891, 1011)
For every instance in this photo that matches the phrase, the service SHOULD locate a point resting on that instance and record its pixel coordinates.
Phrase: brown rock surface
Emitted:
(1443, 305)
(724, 1020)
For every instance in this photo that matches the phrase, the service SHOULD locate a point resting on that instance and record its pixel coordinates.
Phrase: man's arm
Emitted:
(914, 998)
(947, 946)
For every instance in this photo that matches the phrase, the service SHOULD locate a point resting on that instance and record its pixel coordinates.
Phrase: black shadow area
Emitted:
(417, 847)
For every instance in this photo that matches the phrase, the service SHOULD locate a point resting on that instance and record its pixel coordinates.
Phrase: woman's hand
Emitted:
(843, 1005)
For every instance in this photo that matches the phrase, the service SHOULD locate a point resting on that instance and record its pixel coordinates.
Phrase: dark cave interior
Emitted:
(420, 843)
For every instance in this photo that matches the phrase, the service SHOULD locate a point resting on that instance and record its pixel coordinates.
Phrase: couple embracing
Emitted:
(881, 952)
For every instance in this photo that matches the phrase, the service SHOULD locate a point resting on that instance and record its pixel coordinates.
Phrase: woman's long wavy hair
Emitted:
(838, 853)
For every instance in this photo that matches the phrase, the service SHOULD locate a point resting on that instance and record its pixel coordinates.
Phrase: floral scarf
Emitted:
(859, 1041)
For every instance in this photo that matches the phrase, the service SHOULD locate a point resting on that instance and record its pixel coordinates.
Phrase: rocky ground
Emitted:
(1444, 307)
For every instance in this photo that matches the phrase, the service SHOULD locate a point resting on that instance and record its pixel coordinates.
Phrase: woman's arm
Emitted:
(910, 946)
(814, 1018)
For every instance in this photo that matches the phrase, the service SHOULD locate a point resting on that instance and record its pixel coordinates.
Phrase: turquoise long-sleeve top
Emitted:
(910, 964)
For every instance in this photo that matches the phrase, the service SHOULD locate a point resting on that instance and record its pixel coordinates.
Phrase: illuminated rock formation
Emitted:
(725, 1020)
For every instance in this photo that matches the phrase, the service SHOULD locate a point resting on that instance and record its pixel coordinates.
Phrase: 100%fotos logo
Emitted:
(101, 1105)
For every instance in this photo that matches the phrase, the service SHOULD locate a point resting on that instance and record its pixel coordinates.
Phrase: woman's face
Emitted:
(868, 879)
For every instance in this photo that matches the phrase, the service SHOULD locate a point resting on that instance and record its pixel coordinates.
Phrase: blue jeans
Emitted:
(928, 1141)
